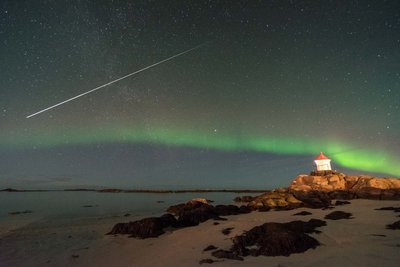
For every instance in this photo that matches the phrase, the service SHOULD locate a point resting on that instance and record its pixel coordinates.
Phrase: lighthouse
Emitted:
(322, 162)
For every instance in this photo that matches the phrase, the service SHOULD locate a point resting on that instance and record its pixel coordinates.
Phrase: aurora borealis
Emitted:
(277, 82)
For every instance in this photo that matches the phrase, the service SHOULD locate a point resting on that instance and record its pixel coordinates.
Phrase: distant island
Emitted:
(158, 191)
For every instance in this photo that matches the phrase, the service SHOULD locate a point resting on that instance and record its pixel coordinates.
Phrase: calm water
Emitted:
(70, 204)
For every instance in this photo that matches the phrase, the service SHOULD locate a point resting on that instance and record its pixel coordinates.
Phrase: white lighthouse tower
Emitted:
(322, 162)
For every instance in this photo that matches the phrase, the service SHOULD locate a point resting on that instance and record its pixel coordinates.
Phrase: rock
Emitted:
(145, 228)
(224, 210)
(369, 193)
(193, 212)
(313, 199)
(341, 194)
(227, 231)
(226, 254)
(216, 223)
(210, 247)
(244, 199)
(340, 203)
(276, 199)
(395, 209)
(201, 200)
(338, 215)
(196, 215)
(273, 239)
(302, 213)
(394, 226)
(209, 261)
(348, 187)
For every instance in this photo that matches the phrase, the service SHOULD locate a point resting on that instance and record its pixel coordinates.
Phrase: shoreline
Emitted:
(360, 241)
(157, 191)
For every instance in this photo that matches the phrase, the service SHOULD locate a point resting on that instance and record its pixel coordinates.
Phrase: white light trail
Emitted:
(114, 81)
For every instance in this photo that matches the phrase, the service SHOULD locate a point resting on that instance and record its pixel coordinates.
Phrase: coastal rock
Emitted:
(245, 199)
(338, 215)
(194, 212)
(273, 239)
(394, 226)
(227, 231)
(188, 214)
(341, 202)
(276, 199)
(145, 228)
(339, 185)
(198, 214)
(208, 261)
(395, 209)
(302, 213)
(313, 199)
(210, 247)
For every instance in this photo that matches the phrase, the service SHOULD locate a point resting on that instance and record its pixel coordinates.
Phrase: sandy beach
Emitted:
(360, 241)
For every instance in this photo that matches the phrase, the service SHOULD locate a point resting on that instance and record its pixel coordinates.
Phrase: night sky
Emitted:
(276, 83)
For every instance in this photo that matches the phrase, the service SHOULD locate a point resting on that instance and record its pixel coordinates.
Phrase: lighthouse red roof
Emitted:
(321, 156)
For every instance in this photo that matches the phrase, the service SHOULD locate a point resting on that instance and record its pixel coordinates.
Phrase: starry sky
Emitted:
(275, 83)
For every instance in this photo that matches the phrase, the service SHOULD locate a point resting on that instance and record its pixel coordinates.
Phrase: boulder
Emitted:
(313, 199)
(276, 199)
(273, 239)
(338, 215)
(145, 228)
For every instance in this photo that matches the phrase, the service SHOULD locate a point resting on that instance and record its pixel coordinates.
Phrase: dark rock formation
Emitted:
(338, 215)
(227, 254)
(227, 231)
(341, 202)
(189, 214)
(145, 228)
(273, 239)
(395, 209)
(245, 199)
(279, 199)
(208, 261)
(313, 199)
(302, 213)
(192, 213)
(394, 226)
(210, 247)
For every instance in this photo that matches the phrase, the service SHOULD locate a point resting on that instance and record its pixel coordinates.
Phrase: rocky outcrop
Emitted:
(283, 199)
(339, 185)
(338, 215)
(145, 228)
(273, 239)
(277, 199)
(188, 214)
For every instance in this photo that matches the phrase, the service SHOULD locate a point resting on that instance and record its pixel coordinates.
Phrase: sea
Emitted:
(90, 204)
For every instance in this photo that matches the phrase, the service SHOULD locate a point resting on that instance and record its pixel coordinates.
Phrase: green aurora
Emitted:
(346, 155)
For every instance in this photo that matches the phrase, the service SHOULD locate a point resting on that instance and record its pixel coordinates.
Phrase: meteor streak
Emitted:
(114, 81)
